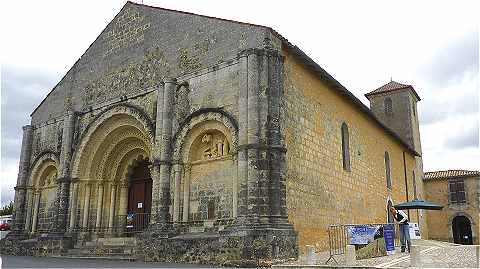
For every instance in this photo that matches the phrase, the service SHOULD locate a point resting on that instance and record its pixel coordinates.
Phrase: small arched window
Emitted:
(388, 105)
(388, 174)
(345, 147)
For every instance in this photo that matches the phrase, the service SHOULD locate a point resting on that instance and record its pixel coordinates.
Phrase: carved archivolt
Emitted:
(212, 132)
(44, 170)
(103, 142)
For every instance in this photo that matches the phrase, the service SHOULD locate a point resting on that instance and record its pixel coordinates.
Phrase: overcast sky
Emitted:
(432, 45)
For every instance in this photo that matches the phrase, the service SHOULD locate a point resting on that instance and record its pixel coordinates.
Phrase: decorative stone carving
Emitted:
(215, 146)
(224, 120)
(128, 79)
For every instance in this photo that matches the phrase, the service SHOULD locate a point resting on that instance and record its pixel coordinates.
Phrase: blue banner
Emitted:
(362, 234)
(389, 236)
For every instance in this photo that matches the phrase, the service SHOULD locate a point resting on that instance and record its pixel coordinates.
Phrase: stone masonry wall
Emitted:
(138, 49)
(319, 191)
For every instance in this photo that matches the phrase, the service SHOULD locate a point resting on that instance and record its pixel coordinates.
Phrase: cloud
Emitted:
(450, 63)
(464, 138)
(22, 90)
(453, 100)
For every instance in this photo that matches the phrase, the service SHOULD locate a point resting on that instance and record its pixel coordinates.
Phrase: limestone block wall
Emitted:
(319, 191)
(440, 222)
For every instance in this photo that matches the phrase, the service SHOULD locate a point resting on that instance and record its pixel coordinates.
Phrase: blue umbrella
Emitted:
(419, 204)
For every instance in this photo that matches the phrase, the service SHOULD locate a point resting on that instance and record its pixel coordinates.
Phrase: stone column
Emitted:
(86, 206)
(98, 221)
(63, 189)
(186, 193)
(276, 145)
(176, 198)
(162, 158)
(111, 213)
(35, 211)
(123, 201)
(29, 209)
(242, 163)
(73, 206)
(235, 192)
(20, 189)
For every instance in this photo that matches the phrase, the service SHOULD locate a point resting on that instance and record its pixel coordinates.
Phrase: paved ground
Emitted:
(41, 262)
(434, 254)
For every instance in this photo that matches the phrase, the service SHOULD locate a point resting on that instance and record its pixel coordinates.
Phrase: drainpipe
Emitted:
(406, 180)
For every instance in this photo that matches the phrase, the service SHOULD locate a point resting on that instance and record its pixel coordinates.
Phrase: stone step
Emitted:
(104, 249)
(109, 257)
(118, 241)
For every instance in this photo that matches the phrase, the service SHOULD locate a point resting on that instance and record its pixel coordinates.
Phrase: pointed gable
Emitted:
(139, 47)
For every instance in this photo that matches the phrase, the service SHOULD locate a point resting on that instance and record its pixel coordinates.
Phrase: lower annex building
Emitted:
(459, 192)
(202, 135)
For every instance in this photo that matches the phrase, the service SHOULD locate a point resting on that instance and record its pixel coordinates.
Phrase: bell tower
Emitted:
(395, 105)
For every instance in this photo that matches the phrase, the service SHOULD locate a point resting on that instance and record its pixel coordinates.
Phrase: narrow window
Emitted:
(457, 191)
(388, 174)
(389, 214)
(413, 109)
(388, 106)
(414, 185)
(345, 147)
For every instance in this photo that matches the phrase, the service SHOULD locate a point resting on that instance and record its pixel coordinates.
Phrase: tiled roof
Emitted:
(392, 86)
(450, 174)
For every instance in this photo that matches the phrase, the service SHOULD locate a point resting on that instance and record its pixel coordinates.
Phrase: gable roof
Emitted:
(392, 86)
(450, 174)
(307, 61)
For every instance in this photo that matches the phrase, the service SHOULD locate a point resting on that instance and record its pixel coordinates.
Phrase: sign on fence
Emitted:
(130, 220)
(362, 234)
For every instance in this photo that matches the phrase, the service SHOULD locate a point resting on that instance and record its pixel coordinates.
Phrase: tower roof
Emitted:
(392, 86)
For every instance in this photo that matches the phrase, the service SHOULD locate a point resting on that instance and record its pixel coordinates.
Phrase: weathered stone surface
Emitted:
(238, 137)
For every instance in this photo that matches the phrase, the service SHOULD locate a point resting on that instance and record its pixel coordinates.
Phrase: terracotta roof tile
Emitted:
(392, 86)
(450, 174)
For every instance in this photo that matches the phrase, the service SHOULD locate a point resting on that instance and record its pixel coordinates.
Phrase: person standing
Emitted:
(402, 219)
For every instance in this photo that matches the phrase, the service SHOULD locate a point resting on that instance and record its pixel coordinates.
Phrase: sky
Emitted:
(432, 45)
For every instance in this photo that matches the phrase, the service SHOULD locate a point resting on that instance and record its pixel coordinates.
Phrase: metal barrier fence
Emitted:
(137, 224)
(338, 238)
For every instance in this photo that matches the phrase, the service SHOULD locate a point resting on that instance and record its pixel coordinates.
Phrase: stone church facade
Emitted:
(201, 135)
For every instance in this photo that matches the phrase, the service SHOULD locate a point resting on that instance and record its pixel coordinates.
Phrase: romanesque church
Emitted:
(198, 138)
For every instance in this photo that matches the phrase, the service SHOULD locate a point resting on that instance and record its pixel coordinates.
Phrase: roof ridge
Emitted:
(196, 14)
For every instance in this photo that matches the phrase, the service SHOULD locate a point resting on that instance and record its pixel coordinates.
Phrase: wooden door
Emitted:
(140, 197)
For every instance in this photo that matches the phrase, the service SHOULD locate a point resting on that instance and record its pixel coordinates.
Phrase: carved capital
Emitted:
(169, 80)
(27, 128)
(63, 179)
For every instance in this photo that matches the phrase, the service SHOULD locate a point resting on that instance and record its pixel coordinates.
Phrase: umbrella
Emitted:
(419, 204)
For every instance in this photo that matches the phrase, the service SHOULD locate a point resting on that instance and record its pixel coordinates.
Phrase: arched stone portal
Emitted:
(462, 230)
(103, 164)
(205, 183)
(41, 214)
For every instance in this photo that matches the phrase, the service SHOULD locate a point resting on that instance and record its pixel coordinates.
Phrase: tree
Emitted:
(7, 209)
